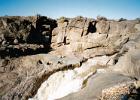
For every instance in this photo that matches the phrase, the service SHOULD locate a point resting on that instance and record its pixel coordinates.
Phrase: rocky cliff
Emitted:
(69, 58)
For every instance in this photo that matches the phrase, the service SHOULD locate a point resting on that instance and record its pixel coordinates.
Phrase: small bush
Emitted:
(101, 18)
(122, 19)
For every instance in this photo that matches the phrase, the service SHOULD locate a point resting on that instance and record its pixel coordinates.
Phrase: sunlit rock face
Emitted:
(63, 83)
(59, 85)
(129, 64)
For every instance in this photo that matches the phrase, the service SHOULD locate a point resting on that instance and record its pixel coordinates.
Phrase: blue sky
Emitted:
(129, 9)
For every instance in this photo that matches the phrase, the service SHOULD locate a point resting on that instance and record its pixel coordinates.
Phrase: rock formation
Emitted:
(69, 58)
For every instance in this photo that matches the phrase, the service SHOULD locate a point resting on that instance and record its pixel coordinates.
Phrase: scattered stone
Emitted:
(117, 92)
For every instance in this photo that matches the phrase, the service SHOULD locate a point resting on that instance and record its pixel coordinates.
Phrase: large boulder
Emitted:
(129, 64)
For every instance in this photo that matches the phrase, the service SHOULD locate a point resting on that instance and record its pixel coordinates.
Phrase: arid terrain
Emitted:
(69, 58)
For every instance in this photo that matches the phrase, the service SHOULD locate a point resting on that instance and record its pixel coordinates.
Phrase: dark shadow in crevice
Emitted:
(42, 34)
(134, 95)
(34, 36)
(14, 52)
(92, 28)
(138, 94)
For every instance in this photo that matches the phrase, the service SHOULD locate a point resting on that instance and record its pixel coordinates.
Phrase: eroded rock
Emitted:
(22, 77)
(85, 56)
(95, 85)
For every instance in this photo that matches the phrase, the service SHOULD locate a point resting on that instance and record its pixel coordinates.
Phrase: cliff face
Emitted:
(40, 58)
(87, 35)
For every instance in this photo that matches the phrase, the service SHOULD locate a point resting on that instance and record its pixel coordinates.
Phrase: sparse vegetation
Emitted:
(38, 16)
(63, 19)
(122, 19)
(138, 19)
(101, 18)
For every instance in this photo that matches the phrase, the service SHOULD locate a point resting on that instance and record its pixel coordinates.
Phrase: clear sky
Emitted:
(129, 9)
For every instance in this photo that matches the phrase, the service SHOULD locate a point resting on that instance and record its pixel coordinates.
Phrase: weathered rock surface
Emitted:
(24, 32)
(89, 37)
(20, 78)
(95, 85)
(69, 58)
(63, 83)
